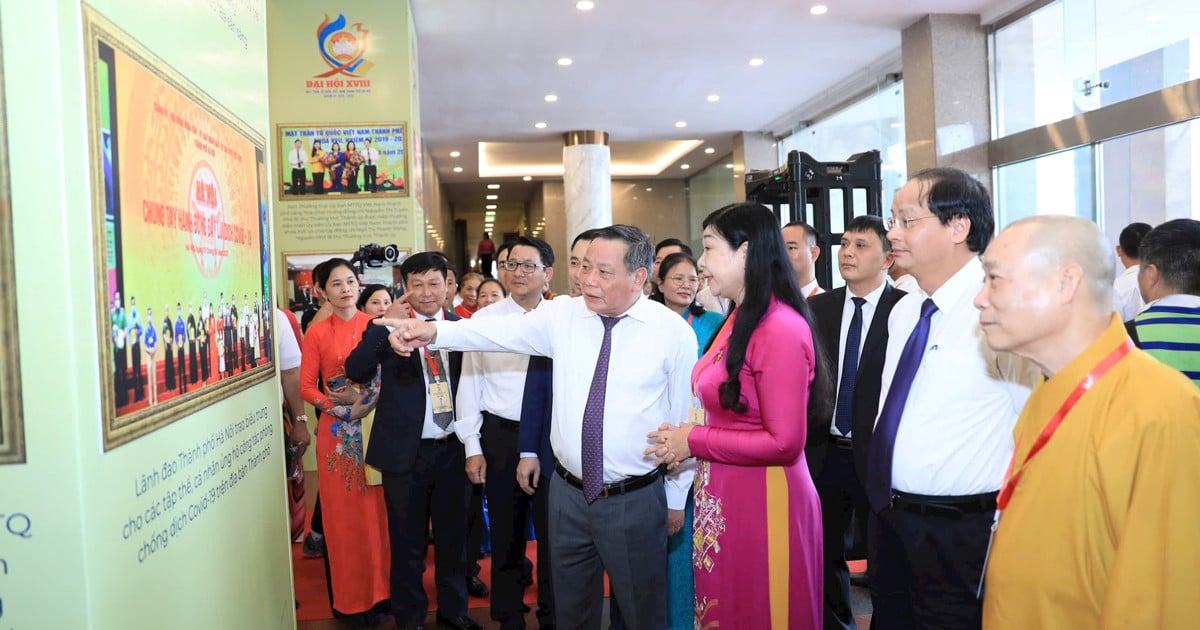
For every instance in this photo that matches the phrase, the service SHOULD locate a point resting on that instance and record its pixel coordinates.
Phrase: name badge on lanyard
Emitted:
(1013, 476)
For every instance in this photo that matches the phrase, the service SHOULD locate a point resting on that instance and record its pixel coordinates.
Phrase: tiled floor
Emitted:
(860, 602)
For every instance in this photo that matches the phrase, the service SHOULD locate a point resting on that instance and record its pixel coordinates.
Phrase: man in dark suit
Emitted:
(413, 444)
(851, 322)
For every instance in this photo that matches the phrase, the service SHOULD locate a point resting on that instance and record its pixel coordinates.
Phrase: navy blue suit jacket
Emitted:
(534, 434)
(400, 414)
(827, 311)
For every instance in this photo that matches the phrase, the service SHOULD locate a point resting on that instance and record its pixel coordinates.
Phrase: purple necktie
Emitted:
(883, 441)
(845, 394)
(593, 418)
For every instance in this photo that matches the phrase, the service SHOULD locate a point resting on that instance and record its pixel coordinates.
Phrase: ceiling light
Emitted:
(757, 61)
(585, 5)
(457, 169)
(550, 98)
(710, 150)
(729, 166)
(527, 179)
(565, 61)
(648, 189)
(540, 125)
(713, 98)
(680, 124)
(490, 206)
(493, 186)
(493, 197)
(685, 166)
(819, 9)
(455, 154)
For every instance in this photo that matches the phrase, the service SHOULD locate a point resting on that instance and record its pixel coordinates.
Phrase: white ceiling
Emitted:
(639, 66)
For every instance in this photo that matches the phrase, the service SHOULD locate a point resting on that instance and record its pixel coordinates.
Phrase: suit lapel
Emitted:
(874, 341)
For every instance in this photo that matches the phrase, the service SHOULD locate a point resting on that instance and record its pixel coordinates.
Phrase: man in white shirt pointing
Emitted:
(609, 506)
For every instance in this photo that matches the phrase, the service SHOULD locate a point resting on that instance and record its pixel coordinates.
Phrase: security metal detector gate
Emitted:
(826, 195)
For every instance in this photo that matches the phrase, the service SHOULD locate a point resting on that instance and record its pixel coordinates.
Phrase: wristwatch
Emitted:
(301, 418)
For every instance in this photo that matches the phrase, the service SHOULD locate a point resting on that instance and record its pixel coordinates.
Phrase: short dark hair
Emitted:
(586, 235)
(1131, 237)
(810, 233)
(505, 246)
(486, 281)
(1174, 248)
(368, 291)
(868, 223)
(640, 254)
(670, 261)
(423, 262)
(673, 242)
(325, 269)
(950, 192)
(544, 250)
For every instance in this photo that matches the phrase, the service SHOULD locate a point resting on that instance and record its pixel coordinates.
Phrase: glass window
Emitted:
(874, 122)
(1152, 176)
(708, 190)
(1075, 56)
(1060, 183)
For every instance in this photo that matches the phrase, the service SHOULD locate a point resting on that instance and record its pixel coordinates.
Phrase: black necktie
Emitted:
(845, 395)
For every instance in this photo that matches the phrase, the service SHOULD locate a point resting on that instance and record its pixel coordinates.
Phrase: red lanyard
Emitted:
(717, 350)
(815, 290)
(689, 318)
(433, 365)
(1013, 478)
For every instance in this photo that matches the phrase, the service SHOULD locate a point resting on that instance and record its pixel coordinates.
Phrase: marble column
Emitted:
(946, 96)
(587, 182)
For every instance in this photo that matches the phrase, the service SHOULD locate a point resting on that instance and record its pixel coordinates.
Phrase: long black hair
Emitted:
(670, 261)
(768, 274)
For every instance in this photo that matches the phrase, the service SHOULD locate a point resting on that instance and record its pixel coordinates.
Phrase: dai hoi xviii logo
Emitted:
(343, 48)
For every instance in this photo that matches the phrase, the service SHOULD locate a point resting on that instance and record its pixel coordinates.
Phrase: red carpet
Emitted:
(309, 575)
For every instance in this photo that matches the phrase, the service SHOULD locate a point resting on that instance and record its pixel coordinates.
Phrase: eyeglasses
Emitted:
(690, 280)
(527, 267)
(904, 223)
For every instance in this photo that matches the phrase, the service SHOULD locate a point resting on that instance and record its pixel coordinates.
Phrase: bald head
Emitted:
(1048, 289)
(1054, 242)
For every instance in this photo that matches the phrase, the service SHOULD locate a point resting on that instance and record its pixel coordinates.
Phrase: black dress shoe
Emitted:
(462, 622)
(476, 587)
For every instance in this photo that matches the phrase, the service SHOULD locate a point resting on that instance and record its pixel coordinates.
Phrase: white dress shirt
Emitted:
(490, 381)
(868, 314)
(811, 289)
(710, 302)
(907, 283)
(955, 437)
(298, 158)
(649, 381)
(1127, 297)
(289, 349)
(430, 430)
(370, 156)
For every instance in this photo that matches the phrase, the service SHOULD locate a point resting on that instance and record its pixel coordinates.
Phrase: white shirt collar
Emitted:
(637, 311)
(872, 298)
(963, 281)
(1184, 300)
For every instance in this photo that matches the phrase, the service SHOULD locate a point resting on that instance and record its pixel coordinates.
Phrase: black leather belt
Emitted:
(628, 484)
(505, 423)
(948, 506)
(438, 441)
(840, 441)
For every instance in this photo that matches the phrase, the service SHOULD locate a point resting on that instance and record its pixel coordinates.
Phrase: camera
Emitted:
(374, 255)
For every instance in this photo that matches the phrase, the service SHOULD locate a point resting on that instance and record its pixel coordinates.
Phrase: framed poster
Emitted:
(12, 428)
(301, 293)
(180, 218)
(342, 161)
